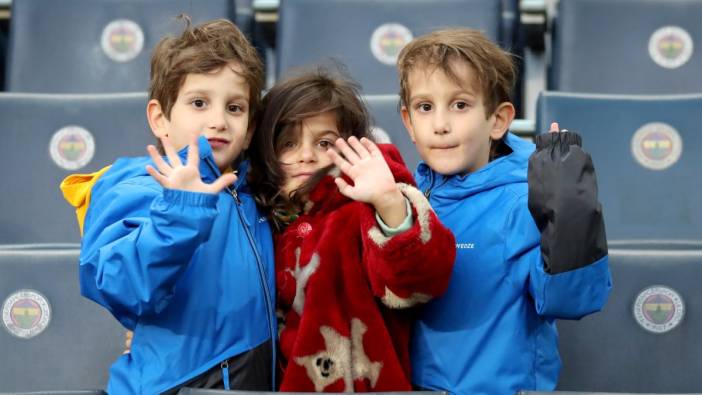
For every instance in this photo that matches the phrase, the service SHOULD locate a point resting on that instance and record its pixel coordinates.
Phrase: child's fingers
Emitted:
(371, 147)
(348, 152)
(343, 186)
(222, 182)
(193, 152)
(158, 176)
(170, 152)
(554, 128)
(359, 148)
(161, 164)
(339, 161)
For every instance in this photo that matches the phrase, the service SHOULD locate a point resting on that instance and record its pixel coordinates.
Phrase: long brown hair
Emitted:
(285, 106)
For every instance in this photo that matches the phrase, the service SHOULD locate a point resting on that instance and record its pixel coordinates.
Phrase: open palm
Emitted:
(363, 162)
(175, 175)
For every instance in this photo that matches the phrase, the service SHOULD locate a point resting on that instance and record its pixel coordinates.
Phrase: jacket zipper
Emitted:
(262, 277)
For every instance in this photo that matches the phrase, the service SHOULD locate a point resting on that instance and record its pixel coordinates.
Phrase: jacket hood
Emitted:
(80, 189)
(508, 169)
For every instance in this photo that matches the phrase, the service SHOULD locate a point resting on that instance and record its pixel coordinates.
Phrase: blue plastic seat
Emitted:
(628, 46)
(644, 341)
(646, 153)
(47, 137)
(367, 35)
(94, 46)
(52, 339)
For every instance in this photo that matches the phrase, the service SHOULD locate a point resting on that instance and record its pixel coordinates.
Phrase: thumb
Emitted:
(223, 182)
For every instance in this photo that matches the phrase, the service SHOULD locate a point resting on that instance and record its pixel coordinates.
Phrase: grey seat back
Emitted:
(93, 46)
(646, 153)
(51, 338)
(47, 137)
(646, 338)
(628, 46)
(367, 35)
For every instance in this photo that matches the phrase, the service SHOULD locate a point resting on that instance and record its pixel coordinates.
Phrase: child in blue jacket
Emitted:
(530, 238)
(177, 250)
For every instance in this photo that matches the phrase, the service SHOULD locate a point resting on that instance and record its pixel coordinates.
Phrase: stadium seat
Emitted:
(627, 46)
(646, 152)
(48, 136)
(387, 125)
(52, 339)
(646, 338)
(367, 35)
(94, 46)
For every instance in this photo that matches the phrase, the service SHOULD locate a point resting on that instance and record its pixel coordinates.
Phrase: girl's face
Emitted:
(302, 149)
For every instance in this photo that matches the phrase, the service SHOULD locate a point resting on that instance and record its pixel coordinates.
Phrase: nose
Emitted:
(307, 153)
(441, 123)
(217, 121)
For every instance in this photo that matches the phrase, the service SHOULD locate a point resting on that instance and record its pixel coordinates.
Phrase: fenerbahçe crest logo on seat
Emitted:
(72, 147)
(656, 146)
(388, 40)
(670, 47)
(26, 313)
(122, 40)
(659, 309)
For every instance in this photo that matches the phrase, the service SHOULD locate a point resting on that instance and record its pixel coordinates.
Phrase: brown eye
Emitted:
(198, 103)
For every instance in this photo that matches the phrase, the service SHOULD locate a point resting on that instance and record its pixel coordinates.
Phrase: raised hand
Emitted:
(554, 128)
(175, 175)
(373, 181)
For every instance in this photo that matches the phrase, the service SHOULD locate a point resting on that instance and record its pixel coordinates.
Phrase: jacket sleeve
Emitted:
(413, 266)
(567, 295)
(563, 202)
(138, 243)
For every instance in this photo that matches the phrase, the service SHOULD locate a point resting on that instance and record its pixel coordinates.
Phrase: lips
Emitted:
(444, 146)
(216, 142)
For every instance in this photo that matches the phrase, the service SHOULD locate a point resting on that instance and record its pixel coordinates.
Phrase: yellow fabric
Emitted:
(76, 190)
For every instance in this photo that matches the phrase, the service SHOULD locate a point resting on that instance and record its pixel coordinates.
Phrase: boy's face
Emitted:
(302, 150)
(447, 121)
(214, 104)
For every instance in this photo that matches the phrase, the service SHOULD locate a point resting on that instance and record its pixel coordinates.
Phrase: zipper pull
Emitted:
(427, 193)
(234, 195)
(225, 373)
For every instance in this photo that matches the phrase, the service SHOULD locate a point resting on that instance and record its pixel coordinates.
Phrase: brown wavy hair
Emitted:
(202, 49)
(285, 106)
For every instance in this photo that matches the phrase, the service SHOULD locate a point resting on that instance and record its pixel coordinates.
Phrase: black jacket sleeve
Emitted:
(563, 202)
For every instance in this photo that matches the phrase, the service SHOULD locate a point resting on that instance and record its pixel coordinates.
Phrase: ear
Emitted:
(504, 114)
(407, 121)
(249, 133)
(157, 118)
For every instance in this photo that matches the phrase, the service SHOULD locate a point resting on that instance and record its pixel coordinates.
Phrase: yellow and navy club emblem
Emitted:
(26, 313)
(122, 40)
(388, 40)
(670, 47)
(656, 146)
(659, 309)
(72, 147)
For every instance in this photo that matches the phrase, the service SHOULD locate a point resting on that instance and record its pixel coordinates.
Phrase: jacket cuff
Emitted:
(560, 139)
(417, 200)
(403, 227)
